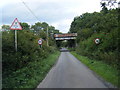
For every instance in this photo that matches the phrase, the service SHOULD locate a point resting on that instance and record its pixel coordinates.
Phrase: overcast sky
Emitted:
(58, 13)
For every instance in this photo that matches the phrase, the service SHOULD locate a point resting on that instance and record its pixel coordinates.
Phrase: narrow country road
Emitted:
(70, 73)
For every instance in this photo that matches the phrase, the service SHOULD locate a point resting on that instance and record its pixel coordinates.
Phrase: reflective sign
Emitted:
(97, 40)
(40, 42)
(16, 25)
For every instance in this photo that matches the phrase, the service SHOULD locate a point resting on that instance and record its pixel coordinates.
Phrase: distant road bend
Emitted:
(70, 73)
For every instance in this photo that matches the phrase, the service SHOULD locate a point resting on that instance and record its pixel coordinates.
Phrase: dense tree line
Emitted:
(102, 25)
(28, 47)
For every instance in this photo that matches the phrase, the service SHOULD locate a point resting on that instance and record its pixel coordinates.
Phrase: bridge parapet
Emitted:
(66, 36)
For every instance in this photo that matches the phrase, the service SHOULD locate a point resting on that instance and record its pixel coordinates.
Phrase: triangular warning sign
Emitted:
(16, 25)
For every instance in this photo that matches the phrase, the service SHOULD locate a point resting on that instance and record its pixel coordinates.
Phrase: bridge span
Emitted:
(66, 36)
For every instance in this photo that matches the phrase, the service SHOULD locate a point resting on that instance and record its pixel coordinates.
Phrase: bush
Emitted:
(105, 50)
(28, 50)
(98, 25)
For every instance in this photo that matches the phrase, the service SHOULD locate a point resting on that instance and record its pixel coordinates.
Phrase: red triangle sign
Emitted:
(16, 25)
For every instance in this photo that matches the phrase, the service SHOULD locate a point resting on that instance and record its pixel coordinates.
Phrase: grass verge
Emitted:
(31, 75)
(104, 70)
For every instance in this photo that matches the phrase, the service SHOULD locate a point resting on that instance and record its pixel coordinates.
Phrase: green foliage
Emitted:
(84, 34)
(31, 75)
(106, 71)
(104, 26)
(6, 27)
(43, 35)
(26, 47)
(42, 27)
(25, 26)
(28, 52)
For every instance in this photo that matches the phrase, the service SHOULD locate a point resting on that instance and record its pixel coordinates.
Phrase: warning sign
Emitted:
(16, 25)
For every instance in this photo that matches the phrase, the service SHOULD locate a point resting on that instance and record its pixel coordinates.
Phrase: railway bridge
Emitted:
(66, 39)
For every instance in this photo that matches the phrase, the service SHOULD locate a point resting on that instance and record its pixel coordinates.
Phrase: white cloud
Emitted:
(58, 13)
(63, 25)
(8, 2)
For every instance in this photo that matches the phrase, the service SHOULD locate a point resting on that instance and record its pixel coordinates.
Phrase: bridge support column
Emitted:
(76, 43)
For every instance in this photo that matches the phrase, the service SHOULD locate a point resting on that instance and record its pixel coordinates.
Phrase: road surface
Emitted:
(70, 73)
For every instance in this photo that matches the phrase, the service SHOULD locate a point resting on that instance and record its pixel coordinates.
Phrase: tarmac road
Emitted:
(70, 73)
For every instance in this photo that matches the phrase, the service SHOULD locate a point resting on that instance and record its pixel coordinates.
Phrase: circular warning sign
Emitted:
(39, 41)
(97, 40)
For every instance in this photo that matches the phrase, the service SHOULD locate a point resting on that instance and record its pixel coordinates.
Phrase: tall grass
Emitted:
(31, 75)
(106, 71)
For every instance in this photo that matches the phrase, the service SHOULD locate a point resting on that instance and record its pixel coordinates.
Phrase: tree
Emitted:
(108, 3)
(104, 8)
(6, 27)
(43, 26)
(103, 25)
(25, 26)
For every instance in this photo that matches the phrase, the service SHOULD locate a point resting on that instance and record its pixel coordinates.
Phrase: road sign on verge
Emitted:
(16, 25)
(40, 42)
(97, 41)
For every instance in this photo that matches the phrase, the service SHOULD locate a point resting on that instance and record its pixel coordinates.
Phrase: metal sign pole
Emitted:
(16, 40)
(16, 26)
(47, 36)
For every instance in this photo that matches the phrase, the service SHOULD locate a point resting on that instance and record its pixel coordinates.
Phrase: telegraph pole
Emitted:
(47, 37)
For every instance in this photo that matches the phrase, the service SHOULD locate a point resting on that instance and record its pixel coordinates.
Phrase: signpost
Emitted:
(16, 26)
(40, 42)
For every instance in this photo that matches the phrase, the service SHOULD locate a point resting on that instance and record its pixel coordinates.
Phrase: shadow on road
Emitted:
(64, 50)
